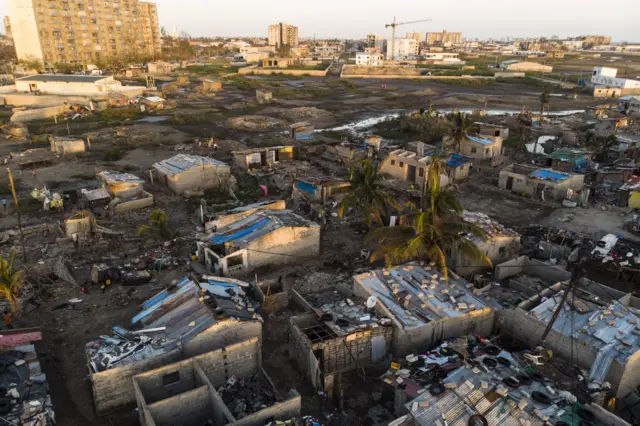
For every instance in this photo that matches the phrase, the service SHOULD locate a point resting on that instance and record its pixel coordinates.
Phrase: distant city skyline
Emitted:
(495, 19)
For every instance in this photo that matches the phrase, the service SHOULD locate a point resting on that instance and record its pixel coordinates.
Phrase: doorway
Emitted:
(411, 174)
(510, 183)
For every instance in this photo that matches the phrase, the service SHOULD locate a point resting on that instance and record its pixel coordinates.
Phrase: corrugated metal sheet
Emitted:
(115, 177)
(222, 238)
(181, 162)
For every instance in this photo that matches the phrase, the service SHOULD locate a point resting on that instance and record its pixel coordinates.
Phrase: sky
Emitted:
(355, 18)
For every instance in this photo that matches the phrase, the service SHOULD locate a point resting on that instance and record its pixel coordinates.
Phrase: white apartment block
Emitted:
(606, 77)
(402, 48)
(372, 59)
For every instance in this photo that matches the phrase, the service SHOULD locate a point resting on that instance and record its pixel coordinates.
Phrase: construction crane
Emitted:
(393, 36)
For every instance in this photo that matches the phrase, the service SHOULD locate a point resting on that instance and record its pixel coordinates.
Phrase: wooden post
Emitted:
(17, 207)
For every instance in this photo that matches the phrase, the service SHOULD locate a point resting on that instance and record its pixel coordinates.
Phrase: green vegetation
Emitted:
(486, 72)
(113, 153)
(340, 83)
(427, 127)
(316, 92)
(242, 83)
(11, 281)
(119, 114)
(460, 130)
(467, 81)
(213, 70)
(319, 67)
(522, 80)
(157, 228)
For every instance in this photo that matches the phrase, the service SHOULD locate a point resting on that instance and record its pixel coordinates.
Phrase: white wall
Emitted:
(25, 30)
(403, 48)
(71, 88)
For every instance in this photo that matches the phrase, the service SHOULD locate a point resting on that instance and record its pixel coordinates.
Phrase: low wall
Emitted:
(506, 74)
(291, 407)
(135, 204)
(8, 89)
(38, 114)
(39, 101)
(286, 71)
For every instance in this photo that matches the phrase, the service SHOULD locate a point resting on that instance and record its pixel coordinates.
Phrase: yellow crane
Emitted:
(393, 36)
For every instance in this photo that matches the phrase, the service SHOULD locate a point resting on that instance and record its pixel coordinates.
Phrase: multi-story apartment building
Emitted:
(83, 32)
(402, 48)
(597, 40)
(419, 37)
(283, 34)
(444, 37)
(7, 27)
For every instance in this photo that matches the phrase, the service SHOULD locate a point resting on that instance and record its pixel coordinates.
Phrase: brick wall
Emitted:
(192, 407)
(152, 384)
(285, 410)
(222, 334)
(298, 241)
(240, 359)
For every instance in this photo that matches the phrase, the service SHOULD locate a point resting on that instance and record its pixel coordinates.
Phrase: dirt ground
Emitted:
(126, 144)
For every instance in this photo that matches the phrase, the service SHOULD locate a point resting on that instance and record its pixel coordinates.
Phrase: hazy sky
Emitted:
(356, 18)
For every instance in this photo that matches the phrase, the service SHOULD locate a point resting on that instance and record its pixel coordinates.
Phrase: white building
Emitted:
(369, 59)
(402, 48)
(443, 57)
(606, 77)
(68, 85)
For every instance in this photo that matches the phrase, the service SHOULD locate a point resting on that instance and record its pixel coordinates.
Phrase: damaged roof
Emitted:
(550, 175)
(457, 160)
(431, 296)
(566, 155)
(116, 177)
(492, 228)
(613, 330)
(481, 140)
(183, 162)
(63, 78)
(257, 225)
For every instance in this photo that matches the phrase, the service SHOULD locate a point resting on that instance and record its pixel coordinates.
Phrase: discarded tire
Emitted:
(524, 379)
(342, 322)
(503, 361)
(326, 317)
(490, 362)
(436, 389)
(491, 350)
(585, 415)
(537, 377)
(477, 420)
(511, 382)
(541, 397)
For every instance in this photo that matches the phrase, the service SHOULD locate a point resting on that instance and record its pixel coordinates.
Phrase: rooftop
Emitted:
(550, 175)
(115, 177)
(257, 225)
(457, 160)
(427, 296)
(481, 140)
(171, 316)
(182, 162)
(492, 228)
(495, 126)
(566, 154)
(63, 78)
(613, 330)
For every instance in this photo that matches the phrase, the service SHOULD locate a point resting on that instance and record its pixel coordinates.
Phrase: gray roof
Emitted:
(182, 162)
(63, 78)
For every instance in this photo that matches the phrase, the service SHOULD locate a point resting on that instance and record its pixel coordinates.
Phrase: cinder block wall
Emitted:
(154, 389)
(194, 406)
(240, 359)
(200, 177)
(285, 410)
(222, 334)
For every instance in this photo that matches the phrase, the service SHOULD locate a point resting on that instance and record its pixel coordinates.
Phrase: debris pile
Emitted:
(248, 395)
(304, 112)
(256, 122)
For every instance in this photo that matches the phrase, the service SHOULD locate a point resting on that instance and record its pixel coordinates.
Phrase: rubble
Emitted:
(256, 123)
(248, 395)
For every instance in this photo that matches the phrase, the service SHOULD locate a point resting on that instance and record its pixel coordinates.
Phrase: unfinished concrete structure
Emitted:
(495, 130)
(479, 147)
(433, 309)
(184, 172)
(159, 68)
(70, 85)
(533, 181)
(320, 189)
(338, 333)
(263, 157)
(127, 190)
(597, 326)
(500, 244)
(185, 324)
(211, 85)
(184, 393)
(272, 237)
(64, 145)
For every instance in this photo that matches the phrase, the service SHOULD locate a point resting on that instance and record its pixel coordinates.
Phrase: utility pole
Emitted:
(17, 207)
(575, 278)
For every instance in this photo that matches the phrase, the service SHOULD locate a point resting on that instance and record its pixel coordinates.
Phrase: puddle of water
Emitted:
(153, 119)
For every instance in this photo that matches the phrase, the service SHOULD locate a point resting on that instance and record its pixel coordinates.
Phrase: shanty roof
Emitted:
(115, 177)
(492, 228)
(612, 330)
(630, 98)
(481, 140)
(63, 78)
(566, 155)
(457, 160)
(550, 175)
(171, 317)
(183, 162)
(431, 296)
(494, 126)
(257, 225)
(96, 194)
(633, 184)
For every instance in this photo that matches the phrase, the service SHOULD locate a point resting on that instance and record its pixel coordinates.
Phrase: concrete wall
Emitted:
(190, 408)
(140, 203)
(240, 359)
(523, 184)
(286, 71)
(203, 177)
(70, 88)
(221, 335)
(41, 101)
(24, 29)
(154, 389)
(299, 241)
(38, 114)
(285, 410)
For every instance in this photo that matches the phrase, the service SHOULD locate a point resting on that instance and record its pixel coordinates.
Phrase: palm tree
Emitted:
(461, 128)
(545, 97)
(602, 143)
(158, 227)
(366, 195)
(430, 232)
(11, 282)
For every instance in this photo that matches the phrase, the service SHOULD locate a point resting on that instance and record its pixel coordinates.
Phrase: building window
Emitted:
(401, 164)
(473, 150)
(171, 378)
(421, 172)
(393, 162)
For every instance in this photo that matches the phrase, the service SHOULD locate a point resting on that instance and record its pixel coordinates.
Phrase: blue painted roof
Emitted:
(222, 238)
(457, 160)
(181, 162)
(550, 175)
(481, 140)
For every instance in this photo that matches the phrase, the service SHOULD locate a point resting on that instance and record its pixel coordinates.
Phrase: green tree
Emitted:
(11, 282)
(30, 63)
(460, 130)
(545, 98)
(366, 195)
(432, 231)
(601, 143)
(158, 227)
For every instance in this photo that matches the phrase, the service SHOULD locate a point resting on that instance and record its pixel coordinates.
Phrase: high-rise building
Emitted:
(403, 48)
(419, 37)
(444, 38)
(283, 34)
(83, 32)
(7, 27)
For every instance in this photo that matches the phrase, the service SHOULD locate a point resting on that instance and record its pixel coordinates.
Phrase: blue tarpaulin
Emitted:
(550, 175)
(480, 140)
(457, 160)
(306, 187)
(220, 239)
